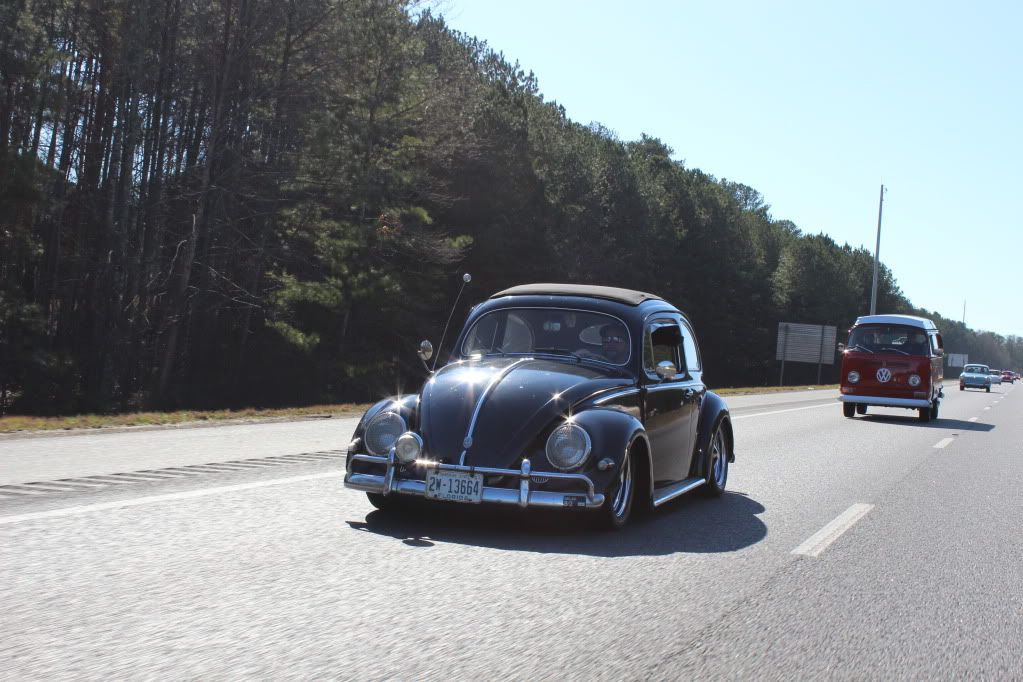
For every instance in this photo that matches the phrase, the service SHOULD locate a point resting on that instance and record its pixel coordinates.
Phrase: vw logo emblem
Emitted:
(884, 375)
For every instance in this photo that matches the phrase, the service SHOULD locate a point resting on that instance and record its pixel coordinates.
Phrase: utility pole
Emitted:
(877, 251)
(964, 312)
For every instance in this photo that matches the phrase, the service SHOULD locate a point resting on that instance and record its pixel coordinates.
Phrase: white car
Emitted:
(996, 376)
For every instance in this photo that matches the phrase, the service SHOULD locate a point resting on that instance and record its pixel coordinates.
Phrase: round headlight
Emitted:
(568, 447)
(408, 447)
(383, 432)
(914, 380)
(853, 377)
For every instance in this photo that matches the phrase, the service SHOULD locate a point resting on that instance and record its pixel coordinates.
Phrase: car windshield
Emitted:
(584, 334)
(873, 338)
(975, 369)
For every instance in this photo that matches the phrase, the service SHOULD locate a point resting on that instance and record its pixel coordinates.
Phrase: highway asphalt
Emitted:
(867, 548)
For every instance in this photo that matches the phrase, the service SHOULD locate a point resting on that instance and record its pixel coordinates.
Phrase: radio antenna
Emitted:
(466, 278)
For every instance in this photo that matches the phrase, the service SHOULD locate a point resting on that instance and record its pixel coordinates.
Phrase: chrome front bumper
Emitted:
(522, 496)
(885, 402)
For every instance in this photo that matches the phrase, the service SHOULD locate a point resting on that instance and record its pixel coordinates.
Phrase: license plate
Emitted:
(454, 486)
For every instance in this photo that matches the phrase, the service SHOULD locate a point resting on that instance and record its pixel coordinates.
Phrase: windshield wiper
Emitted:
(895, 349)
(856, 345)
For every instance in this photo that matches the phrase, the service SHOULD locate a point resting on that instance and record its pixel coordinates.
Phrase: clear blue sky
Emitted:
(814, 104)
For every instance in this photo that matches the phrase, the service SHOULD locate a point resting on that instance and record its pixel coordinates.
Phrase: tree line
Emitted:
(264, 202)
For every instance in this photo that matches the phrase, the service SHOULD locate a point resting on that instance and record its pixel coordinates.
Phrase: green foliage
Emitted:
(273, 201)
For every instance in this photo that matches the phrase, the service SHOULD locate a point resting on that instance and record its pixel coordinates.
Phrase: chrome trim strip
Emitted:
(615, 394)
(522, 497)
(657, 388)
(675, 489)
(494, 381)
(882, 401)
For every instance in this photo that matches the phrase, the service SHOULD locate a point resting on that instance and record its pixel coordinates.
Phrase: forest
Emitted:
(271, 202)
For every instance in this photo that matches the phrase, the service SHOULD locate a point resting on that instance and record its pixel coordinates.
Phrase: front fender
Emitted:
(712, 412)
(406, 406)
(613, 432)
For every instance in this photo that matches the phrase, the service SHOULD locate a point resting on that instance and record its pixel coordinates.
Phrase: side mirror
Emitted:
(425, 351)
(666, 369)
(841, 348)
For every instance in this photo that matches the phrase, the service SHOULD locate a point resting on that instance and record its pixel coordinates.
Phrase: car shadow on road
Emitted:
(688, 525)
(940, 424)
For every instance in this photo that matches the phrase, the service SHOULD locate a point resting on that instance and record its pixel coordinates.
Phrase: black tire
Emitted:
(621, 495)
(924, 414)
(861, 409)
(386, 503)
(935, 405)
(961, 388)
(987, 389)
(717, 464)
(849, 410)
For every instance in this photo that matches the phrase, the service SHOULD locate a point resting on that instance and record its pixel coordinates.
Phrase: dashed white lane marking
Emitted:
(152, 499)
(944, 442)
(987, 408)
(819, 541)
(973, 419)
(791, 409)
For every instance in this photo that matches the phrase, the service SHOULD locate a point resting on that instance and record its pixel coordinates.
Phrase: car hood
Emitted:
(512, 398)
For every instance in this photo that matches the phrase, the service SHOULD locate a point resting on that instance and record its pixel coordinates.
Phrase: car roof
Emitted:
(626, 296)
(907, 320)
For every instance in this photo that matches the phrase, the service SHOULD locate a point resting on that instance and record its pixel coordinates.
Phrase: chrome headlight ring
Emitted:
(914, 380)
(568, 447)
(853, 377)
(383, 431)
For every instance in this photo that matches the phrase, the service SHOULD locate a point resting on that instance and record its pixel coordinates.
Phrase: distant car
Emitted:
(1008, 376)
(558, 396)
(975, 376)
(996, 376)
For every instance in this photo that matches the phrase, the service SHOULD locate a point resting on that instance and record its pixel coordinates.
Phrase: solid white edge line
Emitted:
(944, 442)
(152, 499)
(792, 409)
(819, 541)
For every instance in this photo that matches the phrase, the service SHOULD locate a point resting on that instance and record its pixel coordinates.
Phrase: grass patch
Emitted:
(753, 390)
(14, 423)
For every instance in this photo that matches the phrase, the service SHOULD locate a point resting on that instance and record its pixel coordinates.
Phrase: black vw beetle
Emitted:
(557, 395)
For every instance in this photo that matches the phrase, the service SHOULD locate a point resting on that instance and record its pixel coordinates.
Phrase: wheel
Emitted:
(961, 388)
(849, 410)
(385, 503)
(987, 389)
(924, 414)
(861, 409)
(717, 464)
(934, 408)
(618, 503)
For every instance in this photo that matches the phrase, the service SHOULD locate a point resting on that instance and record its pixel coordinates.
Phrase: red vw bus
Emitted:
(893, 361)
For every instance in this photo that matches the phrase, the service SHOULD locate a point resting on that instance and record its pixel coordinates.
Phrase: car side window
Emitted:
(692, 352)
(662, 342)
(935, 348)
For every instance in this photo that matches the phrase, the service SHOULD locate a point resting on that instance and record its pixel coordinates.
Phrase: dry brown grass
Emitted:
(753, 390)
(16, 423)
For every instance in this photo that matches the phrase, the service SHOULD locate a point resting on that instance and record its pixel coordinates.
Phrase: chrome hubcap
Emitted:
(719, 458)
(621, 501)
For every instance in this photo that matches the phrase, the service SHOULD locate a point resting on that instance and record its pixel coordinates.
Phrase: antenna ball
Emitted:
(467, 278)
